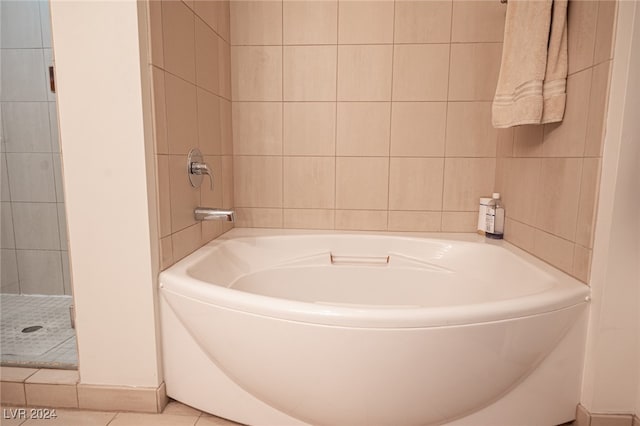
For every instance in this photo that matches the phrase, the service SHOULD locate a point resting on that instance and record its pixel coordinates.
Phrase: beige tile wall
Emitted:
(549, 174)
(191, 72)
(370, 115)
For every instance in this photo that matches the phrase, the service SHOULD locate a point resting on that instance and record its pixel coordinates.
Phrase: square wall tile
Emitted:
(527, 140)
(582, 263)
(166, 253)
(159, 111)
(256, 22)
(206, 57)
(20, 25)
(62, 226)
(567, 138)
(212, 197)
(505, 142)
(310, 22)
(36, 226)
(309, 182)
(414, 221)
(184, 197)
(57, 175)
(8, 272)
(310, 73)
(362, 183)
(557, 251)
(31, 177)
(478, 21)
(474, 71)
(363, 128)
(519, 188)
(227, 182)
(589, 189)
(257, 181)
(258, 218)
(365, 22)
(418, 21)
(40, 272)
(459, 221)
(224, 69)
(164, 194)
(309, 128)
(581, 34)
(465, 181)
(4, 179)
(155, 33)
(415, 183)
(226, 128)
(309, 219)
(224, 20)
(420, 72)
(364, 72)
(53, 123)
(183, 243)
(22, 75)
(257, 72)
(211, 229)
(182, 113)
(605, 30)
(6, 228)
(362, 220)
(418, 129)
(45, 23)
(519, 234)
(178, 36)
(26, 126)
(598, 102)
(208, 11)
(469, 130)
(257, 128)
(558, 196)
(208, 123)
(66, 273)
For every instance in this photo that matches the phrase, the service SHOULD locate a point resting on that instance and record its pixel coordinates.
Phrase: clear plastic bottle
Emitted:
(495, 218)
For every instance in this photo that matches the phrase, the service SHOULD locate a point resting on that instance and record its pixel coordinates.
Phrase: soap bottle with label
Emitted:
(495, 218)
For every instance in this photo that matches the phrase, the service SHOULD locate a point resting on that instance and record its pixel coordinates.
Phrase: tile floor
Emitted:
(175, 414)
(53, 346)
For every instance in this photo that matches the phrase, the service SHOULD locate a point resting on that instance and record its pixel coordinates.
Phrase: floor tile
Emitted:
(137, 419)
(180, 409)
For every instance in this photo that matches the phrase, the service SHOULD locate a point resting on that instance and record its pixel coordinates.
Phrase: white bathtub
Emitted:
(299, 327)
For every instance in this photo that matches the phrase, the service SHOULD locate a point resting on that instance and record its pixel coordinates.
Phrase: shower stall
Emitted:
(35, 290)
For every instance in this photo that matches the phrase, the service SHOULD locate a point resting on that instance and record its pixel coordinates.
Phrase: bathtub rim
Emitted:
(566, 291)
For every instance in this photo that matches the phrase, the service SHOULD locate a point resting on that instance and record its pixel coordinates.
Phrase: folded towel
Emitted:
(533, 74)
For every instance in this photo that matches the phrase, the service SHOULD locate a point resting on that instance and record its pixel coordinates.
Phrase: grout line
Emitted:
(432, 101)
(335, 124)
(366, 44)
(393, 52)
(282, 65)
(446, 121)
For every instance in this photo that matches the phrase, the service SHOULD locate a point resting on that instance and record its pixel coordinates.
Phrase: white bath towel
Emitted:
(533, 73)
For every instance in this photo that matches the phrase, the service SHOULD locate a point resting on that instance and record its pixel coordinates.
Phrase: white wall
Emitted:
(109, 209)
(612, 368)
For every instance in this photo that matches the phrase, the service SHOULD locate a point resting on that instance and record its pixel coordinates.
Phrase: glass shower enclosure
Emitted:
(35, 289)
